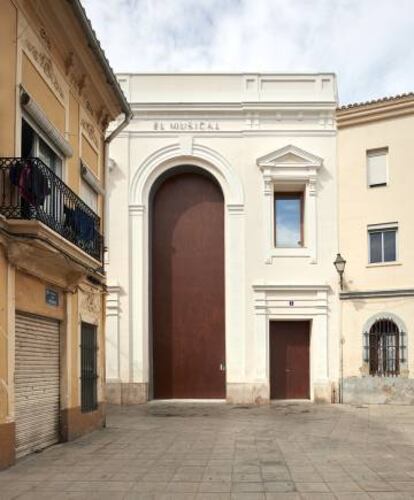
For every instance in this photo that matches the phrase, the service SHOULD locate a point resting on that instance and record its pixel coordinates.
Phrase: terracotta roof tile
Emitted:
(376, 101)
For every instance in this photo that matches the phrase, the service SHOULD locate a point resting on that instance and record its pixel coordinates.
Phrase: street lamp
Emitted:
(340, 267)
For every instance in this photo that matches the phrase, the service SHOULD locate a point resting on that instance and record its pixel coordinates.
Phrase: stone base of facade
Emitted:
(75, 423)
(7, 444)
(119, 393)
(248, 394)
(378, 390)
(325, 392)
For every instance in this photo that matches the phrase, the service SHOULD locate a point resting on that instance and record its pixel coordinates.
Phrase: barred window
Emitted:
(89, 368)
(384, 348)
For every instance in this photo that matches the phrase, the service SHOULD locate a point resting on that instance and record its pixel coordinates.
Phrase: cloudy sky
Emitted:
(369, 44)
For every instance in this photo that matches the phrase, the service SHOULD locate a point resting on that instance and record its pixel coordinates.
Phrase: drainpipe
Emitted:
(127, 118)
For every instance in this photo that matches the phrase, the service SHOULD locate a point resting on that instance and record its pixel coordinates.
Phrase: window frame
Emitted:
(382, 228)
(286, 195)
(38, 133)
(377, 152)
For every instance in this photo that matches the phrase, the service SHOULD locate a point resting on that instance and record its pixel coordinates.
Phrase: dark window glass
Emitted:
(375, 247)
(384, 348)
(382, 246)
(389, 246)
(288, 220)
(89, 368)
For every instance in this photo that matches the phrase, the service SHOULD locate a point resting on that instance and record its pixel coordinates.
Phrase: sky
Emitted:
(369, 44)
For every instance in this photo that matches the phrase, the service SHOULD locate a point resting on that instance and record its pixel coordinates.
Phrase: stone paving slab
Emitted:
(219, 451)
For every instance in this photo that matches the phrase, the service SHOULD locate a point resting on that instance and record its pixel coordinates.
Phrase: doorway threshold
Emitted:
(290, 401)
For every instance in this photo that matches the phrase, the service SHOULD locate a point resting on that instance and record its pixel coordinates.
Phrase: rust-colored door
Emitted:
(188, 318)
(289, 359)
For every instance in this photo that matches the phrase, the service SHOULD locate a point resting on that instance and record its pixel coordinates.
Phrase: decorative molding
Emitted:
(273, 302)
(45, 38)
(47, 66)
(90, 131)
(291, 158)
(172, 155)
(91, 301)
(290, 165)
(377, 294)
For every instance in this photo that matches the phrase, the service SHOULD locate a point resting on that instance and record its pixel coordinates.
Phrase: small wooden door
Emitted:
(289, 359)
(188, 314)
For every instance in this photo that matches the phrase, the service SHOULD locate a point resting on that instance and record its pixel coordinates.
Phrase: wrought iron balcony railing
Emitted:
(31, 190)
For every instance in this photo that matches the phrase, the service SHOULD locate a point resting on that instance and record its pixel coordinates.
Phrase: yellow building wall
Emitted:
(74, 359)
(4, 409)
(76, 98)
(360, 205)
(30, 297)
(35, 85)
(356, 313)
(90, 156)
(8, 34)
(73, 172)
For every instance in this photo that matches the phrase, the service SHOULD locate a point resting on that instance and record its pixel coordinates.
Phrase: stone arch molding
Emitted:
(385, 315)
(174, 155)
(403, 344)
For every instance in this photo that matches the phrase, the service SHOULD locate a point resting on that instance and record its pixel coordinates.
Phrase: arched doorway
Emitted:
(187, 286)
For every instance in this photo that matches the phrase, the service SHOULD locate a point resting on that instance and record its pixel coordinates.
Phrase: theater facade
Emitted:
(222, 234)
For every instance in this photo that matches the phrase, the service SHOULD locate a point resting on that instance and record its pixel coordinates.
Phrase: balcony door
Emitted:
(34, 145)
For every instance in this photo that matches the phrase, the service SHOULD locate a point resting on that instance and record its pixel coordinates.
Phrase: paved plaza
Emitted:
(219, 451)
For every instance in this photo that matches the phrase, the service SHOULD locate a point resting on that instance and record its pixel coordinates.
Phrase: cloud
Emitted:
(368, 43)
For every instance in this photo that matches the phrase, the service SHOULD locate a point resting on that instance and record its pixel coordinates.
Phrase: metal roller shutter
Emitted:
(37, 383)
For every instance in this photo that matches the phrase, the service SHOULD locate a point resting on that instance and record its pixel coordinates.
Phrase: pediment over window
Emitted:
(290, 157)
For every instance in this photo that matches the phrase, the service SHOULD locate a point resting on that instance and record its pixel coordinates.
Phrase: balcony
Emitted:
(29, 190)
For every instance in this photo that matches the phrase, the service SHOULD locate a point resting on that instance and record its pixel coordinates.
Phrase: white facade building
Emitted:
(268, 142)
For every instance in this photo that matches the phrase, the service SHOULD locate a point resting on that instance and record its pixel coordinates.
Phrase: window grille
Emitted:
(89, 372)
(383, 349)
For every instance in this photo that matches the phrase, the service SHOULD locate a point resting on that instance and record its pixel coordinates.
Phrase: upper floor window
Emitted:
(34, 145)
(288, 220)
(382, 243)
(377, 167)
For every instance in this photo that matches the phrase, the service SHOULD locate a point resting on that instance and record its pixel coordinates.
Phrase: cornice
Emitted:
(68, 56)
(377, 294)
(154, 107)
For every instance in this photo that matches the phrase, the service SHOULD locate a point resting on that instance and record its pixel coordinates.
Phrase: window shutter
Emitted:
(377, 167)
(89, 196)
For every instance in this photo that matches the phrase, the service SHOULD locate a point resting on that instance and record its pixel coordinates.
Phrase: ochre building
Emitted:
(58, 94)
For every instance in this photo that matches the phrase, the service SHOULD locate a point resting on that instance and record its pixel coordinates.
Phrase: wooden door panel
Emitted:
(188, 288)
(289, 359)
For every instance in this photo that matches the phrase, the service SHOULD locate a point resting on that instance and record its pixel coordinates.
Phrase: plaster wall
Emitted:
(360, 206)
(167, 131)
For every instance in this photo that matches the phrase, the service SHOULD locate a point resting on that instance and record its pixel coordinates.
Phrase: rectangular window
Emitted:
(34, 145)
(89, 368)
(377, 166)
(382, 245)
(288, 210)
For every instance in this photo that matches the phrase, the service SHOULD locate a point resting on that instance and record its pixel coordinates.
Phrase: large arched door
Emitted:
(187, 287)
